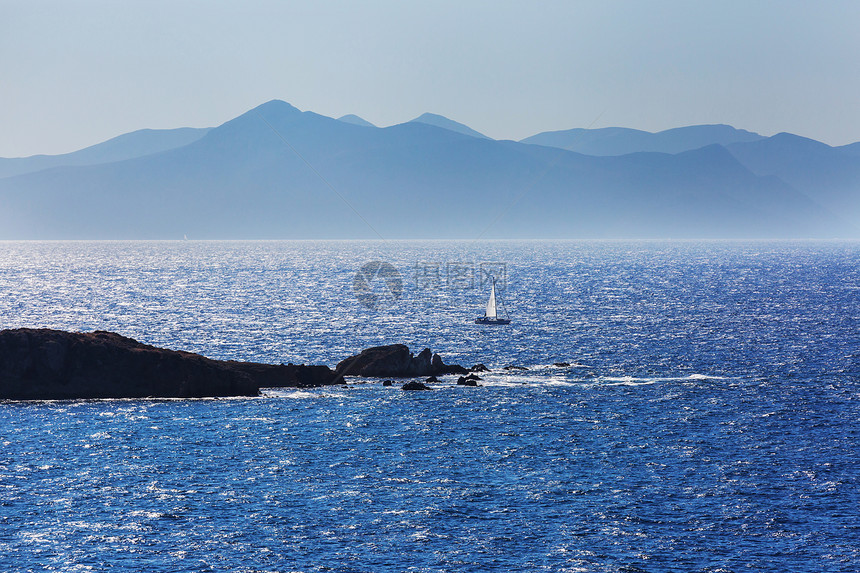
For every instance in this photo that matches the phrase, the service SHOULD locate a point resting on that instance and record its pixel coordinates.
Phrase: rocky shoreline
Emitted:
(44, 364)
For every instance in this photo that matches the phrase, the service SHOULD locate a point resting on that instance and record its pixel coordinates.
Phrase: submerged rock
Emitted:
(561, 364)
(416, 385)
(42, 364)
(512, 367)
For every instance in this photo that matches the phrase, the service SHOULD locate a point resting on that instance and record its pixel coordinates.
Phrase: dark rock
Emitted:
(416, 385)
(423, 362)
(479, 368)
(562, 364)
(41, 364)
(432, 380)
(394, 360)
(473, 377)
(288, 376)
(466, 381)
(388, 382)
(512, 367)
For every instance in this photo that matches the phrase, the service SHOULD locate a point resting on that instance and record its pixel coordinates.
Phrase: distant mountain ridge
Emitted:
(621, 141)
(278, 172)
(127, 146)
(830, 174)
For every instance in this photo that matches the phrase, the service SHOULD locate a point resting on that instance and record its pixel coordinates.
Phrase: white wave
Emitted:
(294, 394)
(633, 380)
(625, 381)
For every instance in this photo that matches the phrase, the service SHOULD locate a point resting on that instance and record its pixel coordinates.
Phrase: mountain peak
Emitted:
(785, 138)
(277, 107)
(355, 120)
(449, 124)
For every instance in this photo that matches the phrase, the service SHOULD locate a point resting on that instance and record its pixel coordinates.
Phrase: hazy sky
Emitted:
(76, 73)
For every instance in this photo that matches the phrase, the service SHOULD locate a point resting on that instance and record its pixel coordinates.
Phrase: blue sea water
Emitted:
(708, 420)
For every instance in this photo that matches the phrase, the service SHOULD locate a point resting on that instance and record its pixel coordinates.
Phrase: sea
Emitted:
(673, 406)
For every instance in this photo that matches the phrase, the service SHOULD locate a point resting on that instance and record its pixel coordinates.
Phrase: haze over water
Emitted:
(708, 420)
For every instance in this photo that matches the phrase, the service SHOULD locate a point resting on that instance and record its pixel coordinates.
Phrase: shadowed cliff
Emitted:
(42, 364)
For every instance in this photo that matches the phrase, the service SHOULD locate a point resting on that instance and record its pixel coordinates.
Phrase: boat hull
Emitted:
(486, 320)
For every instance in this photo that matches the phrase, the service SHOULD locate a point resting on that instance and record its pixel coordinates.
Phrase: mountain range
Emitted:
(278, 172)
(127, 146)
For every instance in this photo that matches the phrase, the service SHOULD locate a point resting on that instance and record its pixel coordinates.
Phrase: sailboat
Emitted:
(490, 315)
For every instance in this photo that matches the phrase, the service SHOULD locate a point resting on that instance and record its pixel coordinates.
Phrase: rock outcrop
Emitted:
(41, 364)
(395, 361)
(470, 380)
(287, 375)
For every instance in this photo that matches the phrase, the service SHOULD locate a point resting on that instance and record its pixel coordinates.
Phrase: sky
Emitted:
(73, 74)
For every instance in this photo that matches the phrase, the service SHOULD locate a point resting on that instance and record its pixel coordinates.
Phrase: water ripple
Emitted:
(708, 421)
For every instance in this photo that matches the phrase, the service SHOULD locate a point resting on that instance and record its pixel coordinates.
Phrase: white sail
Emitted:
(491, 304)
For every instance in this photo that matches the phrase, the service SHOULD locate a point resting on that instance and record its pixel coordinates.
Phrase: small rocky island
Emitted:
(43, 364)
(395, 361)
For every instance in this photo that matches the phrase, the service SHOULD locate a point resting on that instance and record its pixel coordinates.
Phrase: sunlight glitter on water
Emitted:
(708, 419)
